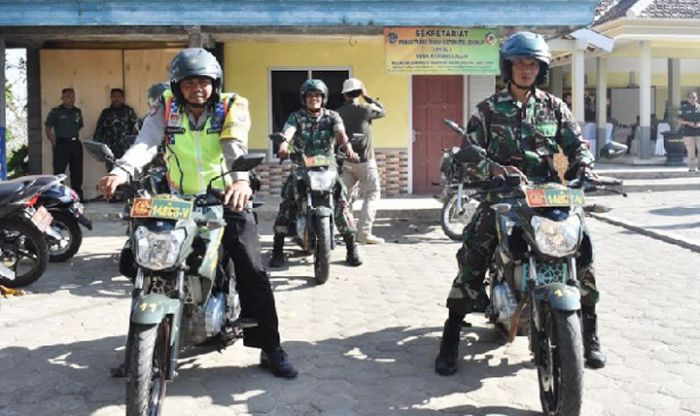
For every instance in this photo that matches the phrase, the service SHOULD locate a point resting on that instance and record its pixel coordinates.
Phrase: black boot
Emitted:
(277, 259)
(277, 361)
(591, 345)
(353, 257)
(446, 361)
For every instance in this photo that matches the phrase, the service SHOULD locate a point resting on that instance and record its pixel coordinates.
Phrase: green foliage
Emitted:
(18, 163)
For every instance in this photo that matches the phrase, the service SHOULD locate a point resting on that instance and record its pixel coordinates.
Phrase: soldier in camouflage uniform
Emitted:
(116, 125)
(314, 130)
(517, 119)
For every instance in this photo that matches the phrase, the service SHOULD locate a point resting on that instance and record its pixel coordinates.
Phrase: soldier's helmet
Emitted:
(525, 45)
(195, 62)
(155, 92)
(313, 85)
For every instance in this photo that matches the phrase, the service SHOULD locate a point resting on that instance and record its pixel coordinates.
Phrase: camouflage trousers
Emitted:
(473, 260)
(344, 221)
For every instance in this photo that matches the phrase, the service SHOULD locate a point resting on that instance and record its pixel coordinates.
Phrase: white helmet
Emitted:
(351, 84)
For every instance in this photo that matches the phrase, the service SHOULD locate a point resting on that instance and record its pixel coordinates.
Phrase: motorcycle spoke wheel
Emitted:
(453, 219)
(150, 349)
(560, 372)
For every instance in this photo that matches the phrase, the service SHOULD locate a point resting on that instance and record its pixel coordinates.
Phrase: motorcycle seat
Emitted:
(10, 189)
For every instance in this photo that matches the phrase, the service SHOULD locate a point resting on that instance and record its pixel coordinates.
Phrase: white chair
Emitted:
(660, 150)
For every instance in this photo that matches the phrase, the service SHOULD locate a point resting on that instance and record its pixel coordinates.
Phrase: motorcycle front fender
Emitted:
(152, 308)
(560, 296)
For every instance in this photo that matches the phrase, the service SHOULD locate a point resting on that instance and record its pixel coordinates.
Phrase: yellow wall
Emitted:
(93, 73)
(249, 61)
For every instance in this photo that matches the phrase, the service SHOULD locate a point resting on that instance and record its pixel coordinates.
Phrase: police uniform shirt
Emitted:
(690, 113)
(65, 121)
(357, 118)
(234, 137)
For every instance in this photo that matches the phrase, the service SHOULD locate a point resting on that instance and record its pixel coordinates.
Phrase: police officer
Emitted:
(357, 117)
(205, 130)
(116, 124)
(63, 126)
(519, 118)
(315, 129)
(689, 119)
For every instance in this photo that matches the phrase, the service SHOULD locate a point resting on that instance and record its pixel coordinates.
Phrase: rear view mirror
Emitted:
(471, 154)
(99, 151)
(246, 162)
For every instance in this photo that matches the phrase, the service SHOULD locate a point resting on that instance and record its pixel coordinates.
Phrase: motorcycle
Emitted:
(313, 227)
(532, 280)
(184, 288)
(458, 207)
(68, 215)
(23, 224)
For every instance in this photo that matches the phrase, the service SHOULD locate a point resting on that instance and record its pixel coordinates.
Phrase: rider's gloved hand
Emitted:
(506, 170)
(237, 195)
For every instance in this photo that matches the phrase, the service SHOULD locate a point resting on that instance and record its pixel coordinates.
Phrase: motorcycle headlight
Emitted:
(322, 180)
(158, 250)
(556, 238)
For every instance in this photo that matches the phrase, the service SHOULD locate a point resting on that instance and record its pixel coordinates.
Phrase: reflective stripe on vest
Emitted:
(194, 158)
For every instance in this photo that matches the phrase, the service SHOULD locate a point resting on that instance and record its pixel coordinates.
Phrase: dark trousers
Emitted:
(242, 243)
(69, 152)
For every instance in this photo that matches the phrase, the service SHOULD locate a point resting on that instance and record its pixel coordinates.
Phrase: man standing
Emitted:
(204, 130)
(690, 120)
(115, 123)
(63, 125)
(357, 118)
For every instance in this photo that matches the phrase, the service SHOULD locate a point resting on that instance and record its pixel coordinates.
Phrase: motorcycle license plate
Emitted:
(162, 206)
(316, 161)
(541, 198)
(42, 218)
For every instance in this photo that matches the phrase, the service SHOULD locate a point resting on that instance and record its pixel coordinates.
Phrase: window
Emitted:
(285, 91)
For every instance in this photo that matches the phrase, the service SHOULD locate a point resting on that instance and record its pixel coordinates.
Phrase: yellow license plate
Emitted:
(541, 198)
(164, 207)
(316, 161)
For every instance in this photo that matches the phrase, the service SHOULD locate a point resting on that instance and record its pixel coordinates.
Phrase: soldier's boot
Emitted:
(591, 345)
(446, 361)
(277, 259)
(353, 257)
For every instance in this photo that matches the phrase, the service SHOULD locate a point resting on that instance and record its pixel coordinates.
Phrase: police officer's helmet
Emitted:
(313, 85)
(525, 45)
(193, 62)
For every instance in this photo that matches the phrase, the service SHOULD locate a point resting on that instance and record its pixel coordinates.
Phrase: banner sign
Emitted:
(441, 50)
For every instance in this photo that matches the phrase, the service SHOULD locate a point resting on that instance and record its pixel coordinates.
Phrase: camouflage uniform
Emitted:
(313, 137)
(506, 128)
(115, 128)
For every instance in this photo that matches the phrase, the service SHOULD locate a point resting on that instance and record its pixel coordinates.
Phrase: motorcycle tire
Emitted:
(20, 241)
(322, 259)
(69, 228)
(560, 373)
(453, 222)
(147, 368)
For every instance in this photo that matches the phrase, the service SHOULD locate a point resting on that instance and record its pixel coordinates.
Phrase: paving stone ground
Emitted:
(364, 342)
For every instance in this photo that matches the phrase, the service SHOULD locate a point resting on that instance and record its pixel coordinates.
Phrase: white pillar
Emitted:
(674, 85)
(578, 71)
(644, 100)
(601, 102)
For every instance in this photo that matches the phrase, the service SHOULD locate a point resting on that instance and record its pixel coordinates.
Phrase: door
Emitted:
(435, 97)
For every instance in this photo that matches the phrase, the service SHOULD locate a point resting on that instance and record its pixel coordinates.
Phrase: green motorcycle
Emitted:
(184, 288)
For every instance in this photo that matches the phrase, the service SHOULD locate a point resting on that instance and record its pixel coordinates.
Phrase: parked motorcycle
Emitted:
(458, 207)
(185, 286)
(313, 228)
(23, 223)
(533, 282)
(68, 215)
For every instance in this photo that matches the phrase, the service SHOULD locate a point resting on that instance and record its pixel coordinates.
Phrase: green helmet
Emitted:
(195, 62)
(525, 45)
(313, 85)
